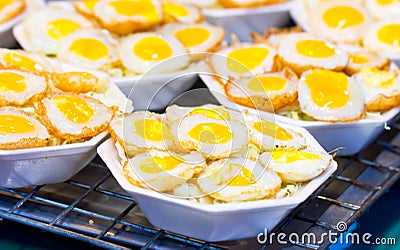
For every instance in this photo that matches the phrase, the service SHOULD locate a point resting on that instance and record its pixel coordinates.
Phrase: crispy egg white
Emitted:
(20, 130)
(296, 165)
(79, 82)
(383, 37)
(89, 48)
(181, 13)
(146, 51)
(303, 51)
(19, 87)
(381, 88)
(45, 27)
(382, 9)
(71, 117)
(123, 17)
(268, 92)
(85, 7)
(10, 9)
(364, 58)
(239, 179)
(141, 131)
(243, 60)
(330, 96)
(162, 171)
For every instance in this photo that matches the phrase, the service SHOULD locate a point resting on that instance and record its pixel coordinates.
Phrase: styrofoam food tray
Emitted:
(212, 222)
(242, 21)
(46, 165)
(349, 137)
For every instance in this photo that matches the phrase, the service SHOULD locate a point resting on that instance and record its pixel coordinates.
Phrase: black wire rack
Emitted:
(91, 207)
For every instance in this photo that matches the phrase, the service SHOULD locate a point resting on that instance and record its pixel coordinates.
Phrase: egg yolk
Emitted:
(158, 164)
(75, 109)
(244, 178)
(283, 156)
(136, 7)
(61, 27)
(273, 130)
(328, 88)
(222, 175)
(245, 59)
(90, 4)
(314, 48)
(211, 133)
(384, 2)
(359, 58)
(14, 124)
(152, 48)
(89, 48)
(152, 130)
(4, 3)
(266, 83)
(22, 62)
(217, 114)
(390, 34)
(191, 37)
(342, 17)
(12, 82)
(378, 79)
(175, 9)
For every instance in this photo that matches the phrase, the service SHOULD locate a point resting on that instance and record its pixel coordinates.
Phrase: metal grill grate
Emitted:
(92, 208)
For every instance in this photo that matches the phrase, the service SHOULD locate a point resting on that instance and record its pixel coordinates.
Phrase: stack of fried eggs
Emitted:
(374, 24)
(210, 154)
(40, 106)
(303, 76)
(122, 37)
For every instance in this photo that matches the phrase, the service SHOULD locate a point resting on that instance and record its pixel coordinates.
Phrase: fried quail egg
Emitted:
(214, 138)
(365, 59)
(79, 82)
(330, 96)
(268, 92)
(146, 51)
(238, 179)
(74, 117)
(339, 21)
(181, 13)
(126, 16)
(381, 88)
(25, 61)
(202, 4)
(267, 135)
(141, 131)
(302, 51)
(85, 7)
(295, 165)
(243, 60)
(10, 9)
(196, 38)
(247, 3)
(162, 171)
(382, 9)
(45, 27)
(19, 87)
(383, 37)
(20, 130)
(89, 48)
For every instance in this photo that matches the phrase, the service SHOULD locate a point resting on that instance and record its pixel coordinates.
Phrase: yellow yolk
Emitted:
(359, 58)
(59, 28)
(152, 130)
(4, 3)
(136, 7)
(152, 48)
(384, 2)
(378, 79)
(89, 48)
(175, 9)
(191, 37)
(244, 178)
(328, 88)
(75, 109)
(14, 124)
(282, 156)
(22, 62)
(273, 130)
(211, 133)
(266, 83)
(12, 82)
(158, 164)
(217, 114)
(342, 17)
(245, 59)
(314, 48)
(90, 4)
(390, 34)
